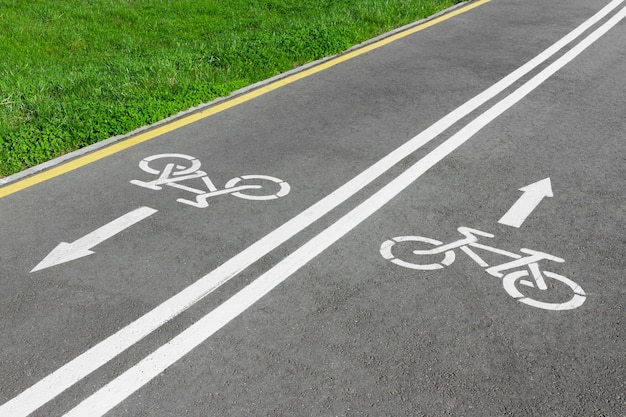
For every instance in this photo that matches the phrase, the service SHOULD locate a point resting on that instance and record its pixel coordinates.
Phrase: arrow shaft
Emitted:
(114, 227)
(522, 208)
(65, 252)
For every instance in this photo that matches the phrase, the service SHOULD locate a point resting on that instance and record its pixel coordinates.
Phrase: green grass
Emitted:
(73, 72)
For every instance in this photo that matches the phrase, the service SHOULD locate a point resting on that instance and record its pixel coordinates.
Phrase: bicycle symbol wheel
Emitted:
(386, 252)
(283, 187)
(511, 280)
(188, 165)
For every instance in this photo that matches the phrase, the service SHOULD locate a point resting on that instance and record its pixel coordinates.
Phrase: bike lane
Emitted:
(463, 346)
(351, 333)
(369, 336)
(315, 134)
(300, 143)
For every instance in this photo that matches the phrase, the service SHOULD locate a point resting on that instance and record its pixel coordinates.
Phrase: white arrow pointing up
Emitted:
(533, 194)
(65, 252)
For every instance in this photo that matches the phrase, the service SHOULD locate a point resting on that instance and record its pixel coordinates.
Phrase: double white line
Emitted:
(151, 366)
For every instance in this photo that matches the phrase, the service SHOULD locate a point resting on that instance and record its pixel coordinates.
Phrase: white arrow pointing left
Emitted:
(65, 252)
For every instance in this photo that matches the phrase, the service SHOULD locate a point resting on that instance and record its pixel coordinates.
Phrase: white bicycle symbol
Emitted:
(188, 168)
(509, 281)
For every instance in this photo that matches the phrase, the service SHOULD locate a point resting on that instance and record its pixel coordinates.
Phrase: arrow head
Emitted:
(533, 194)
(64, 252)
(542, 188)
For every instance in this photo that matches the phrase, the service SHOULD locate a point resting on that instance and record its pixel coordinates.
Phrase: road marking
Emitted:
(218, 108)
(65, 252)
(509, 278)
(527, 203)
(576, 301)
(150, 367)
(171, 177)
(385, 251)
(77, 369)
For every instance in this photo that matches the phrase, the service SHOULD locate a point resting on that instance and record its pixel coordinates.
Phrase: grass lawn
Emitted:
(73, 72)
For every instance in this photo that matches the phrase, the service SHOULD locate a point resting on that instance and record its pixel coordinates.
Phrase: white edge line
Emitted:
(130, 381)
(55, 383)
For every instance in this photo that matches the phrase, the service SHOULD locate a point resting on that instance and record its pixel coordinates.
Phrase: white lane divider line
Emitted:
(150, 367)
(74, 371)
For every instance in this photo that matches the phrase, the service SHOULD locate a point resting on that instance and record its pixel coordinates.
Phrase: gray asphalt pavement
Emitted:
(358, 242)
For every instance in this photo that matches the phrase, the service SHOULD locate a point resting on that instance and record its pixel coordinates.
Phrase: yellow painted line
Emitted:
(194, 117)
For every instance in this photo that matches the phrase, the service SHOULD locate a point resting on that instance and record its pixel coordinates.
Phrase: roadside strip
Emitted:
(218, 108)
(57, 382)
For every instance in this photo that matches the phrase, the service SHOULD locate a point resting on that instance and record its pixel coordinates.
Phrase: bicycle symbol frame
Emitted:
(189, 168)
(509, 280)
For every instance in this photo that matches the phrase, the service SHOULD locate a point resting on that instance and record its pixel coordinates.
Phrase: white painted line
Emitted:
(65, 252)
(77, 369)
(533, 195)
(130, 381)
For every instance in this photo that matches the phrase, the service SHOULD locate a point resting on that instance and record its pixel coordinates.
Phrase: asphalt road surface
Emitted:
(429, 225)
